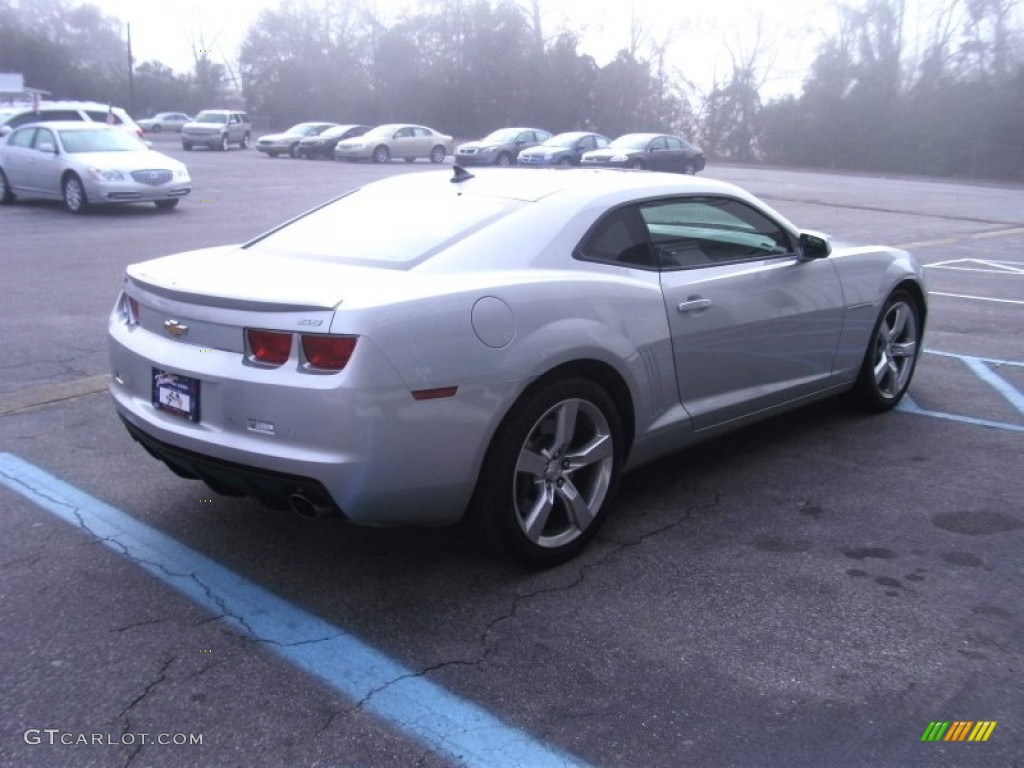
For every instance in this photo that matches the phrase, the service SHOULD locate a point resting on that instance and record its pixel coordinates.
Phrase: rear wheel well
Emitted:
(608, 379)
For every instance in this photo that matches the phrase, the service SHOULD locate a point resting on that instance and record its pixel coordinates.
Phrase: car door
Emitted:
(663, 158)
(235, 128)
(675, 154)
(403, 143)
(45, 164)
(582, 145)
(423, 142)
(17, 156)
(753, 324)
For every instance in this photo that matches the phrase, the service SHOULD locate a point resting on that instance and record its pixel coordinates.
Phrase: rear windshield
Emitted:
(382, 226)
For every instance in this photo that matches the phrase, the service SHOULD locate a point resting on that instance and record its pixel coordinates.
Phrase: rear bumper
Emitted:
(231, 479)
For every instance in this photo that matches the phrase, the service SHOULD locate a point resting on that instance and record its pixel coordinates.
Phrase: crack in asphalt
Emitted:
(49, 394)
(125, 713)
(488, 644)
(133, 625)
(519, 599)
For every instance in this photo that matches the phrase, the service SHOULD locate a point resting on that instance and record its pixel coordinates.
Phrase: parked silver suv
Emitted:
(217, 129)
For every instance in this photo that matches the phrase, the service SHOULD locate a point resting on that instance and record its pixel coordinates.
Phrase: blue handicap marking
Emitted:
(465, 733)
(984, 369)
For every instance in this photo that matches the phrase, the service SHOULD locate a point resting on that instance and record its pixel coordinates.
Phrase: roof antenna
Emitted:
(460, 174)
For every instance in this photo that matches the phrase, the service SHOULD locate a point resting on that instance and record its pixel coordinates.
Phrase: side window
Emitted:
(673, 143)
(586, 143)
(601, 142)
(234, 120)
(618, 238)
(658, 144)
(44, 141)
(101, 117)
(706, 231)
(23, 138)
(62, 114)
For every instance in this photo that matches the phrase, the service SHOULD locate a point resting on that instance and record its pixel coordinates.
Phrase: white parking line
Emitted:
(975, 298)
(989, 266)
(447, 724)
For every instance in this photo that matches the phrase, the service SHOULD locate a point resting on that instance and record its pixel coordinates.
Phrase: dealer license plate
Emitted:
(177, 395)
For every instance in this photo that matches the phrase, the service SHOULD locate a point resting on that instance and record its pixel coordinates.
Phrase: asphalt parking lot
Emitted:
(814, 591)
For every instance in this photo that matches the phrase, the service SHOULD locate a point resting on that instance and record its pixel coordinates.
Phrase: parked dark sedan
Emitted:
(650, 151)
(324, 144)
(564, 149)
(500, 147)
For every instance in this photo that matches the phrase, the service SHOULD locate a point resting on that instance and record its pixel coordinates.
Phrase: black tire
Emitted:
(271, 153)
(891, 356)
(293, 150)
(75, 199)
(437, 154)
(165, 205)
(246, 140)
(546, 484)
(156, 128)
(637, 165)
(565, 162)
(6, 196)
(381, 154)
(223, 146)
(187, 146)
(690, 169)
(504, 159)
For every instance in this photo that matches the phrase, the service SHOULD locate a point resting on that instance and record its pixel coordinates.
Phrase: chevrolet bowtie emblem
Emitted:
(175, 328)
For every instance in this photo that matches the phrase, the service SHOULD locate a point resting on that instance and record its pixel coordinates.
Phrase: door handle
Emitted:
(694, 304)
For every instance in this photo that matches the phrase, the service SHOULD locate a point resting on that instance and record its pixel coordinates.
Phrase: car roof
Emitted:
(72, 125)
(643, 135)
(66, 103)
(538, 183)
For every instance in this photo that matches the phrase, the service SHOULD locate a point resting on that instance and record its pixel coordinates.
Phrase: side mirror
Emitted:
(814, 245)
(5, 130)
(47, 147)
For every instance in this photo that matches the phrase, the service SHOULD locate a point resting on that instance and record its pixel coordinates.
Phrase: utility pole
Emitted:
(131, 73)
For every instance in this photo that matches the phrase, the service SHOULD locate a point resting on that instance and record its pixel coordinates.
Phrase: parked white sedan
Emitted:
(499, 345)
(87, 163)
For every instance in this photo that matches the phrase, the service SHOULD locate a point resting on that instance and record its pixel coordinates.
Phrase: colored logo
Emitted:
(958, 730)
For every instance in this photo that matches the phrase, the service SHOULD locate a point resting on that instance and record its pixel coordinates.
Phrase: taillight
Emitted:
(129, 308)
(269, 347)
(327, 353)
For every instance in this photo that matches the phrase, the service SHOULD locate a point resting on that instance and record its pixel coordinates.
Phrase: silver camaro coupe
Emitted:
(498, 347)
